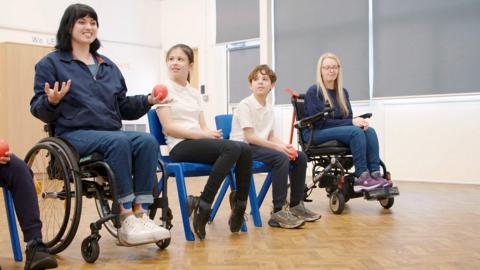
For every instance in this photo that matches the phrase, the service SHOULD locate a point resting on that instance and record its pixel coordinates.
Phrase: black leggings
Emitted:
(17, 177)
(223, 154)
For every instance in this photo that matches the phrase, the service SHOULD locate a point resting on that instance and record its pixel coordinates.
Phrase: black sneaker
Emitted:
(38, 256)
(201, 215)
(238, 210)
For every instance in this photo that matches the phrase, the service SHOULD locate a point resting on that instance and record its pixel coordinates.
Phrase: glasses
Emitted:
(330, 67)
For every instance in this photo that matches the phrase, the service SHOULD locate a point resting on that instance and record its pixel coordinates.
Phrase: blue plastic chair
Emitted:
(224, 122)
(181, 170)
(12, 225)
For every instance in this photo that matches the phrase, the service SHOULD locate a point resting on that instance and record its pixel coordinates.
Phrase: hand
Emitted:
(152, 100)
(360, 122)
(283, 148)
(4, 160)
(54, 96)
(216, 134)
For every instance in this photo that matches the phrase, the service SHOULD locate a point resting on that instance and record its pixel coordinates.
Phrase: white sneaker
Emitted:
(133, 232)
(158, 232)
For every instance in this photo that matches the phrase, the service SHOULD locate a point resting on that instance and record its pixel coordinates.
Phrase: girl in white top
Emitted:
(253, 123)
(190, 140)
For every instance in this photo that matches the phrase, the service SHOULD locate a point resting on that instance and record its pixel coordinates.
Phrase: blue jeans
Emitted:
(282, 168)
(363, 145)
(17, 177)
(127, 153)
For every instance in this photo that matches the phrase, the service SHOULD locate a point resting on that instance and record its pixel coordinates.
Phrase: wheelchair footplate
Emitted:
(381, 193)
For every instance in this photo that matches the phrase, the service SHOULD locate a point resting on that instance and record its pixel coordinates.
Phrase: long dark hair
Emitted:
(187, 50)
(71, 15)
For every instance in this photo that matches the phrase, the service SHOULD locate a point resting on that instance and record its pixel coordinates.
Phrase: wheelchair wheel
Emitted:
(387, 203)
(337, 202)
(90, 249)
(58, 190)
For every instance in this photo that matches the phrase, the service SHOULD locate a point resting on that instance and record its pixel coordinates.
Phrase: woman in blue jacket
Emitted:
(341, 126)
(83, 94)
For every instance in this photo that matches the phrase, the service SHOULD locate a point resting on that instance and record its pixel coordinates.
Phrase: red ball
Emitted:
(160, 91)
(4, 148)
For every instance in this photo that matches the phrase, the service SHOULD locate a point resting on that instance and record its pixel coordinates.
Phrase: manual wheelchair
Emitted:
(61, 178)
(332, 162)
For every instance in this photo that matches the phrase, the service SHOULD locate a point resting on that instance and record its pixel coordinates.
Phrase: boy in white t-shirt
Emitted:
(253, 123)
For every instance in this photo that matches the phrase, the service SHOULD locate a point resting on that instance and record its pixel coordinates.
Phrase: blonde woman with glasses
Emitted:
(341, 126)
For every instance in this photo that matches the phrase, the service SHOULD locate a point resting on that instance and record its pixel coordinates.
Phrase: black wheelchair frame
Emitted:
(61, 178)
(332, 162)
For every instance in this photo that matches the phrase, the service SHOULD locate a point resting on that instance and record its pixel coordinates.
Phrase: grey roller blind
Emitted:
(241, 62)
(304, 29)
(237, 20)
(424, 47)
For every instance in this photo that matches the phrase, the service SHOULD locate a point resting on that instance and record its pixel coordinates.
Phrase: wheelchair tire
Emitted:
(387, 203)
(163, 244)
(59, 201)
(337, 202)
(90, 249)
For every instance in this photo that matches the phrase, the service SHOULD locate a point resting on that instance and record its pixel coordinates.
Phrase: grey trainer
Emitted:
(285, 219)
(301, 212)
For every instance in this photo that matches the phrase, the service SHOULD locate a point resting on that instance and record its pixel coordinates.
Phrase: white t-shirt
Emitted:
(186, 107)
(251, 114)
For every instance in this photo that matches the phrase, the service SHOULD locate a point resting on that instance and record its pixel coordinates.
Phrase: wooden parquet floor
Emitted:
(431, 226)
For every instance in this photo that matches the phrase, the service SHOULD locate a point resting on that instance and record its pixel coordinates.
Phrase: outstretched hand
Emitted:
(54, 95)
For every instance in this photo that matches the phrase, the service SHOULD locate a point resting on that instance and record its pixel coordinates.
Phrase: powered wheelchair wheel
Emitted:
(337, 202)
(59, 191)
(387, 203)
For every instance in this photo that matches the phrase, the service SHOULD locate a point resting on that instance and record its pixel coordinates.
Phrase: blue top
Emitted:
(92, 103)
(314, 103)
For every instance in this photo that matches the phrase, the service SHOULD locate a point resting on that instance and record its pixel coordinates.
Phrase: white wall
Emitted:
(130, 33)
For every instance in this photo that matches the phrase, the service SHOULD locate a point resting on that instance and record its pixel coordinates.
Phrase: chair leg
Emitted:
(263, 191)
(182, 199)
(255, 211)
(221, 195)
(12, 225)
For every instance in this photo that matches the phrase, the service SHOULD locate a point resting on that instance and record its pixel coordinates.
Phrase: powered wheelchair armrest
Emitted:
(308, 121)
(365, 115)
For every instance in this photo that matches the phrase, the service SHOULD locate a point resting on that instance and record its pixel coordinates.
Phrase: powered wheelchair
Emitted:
(332, 162)
(61, 178)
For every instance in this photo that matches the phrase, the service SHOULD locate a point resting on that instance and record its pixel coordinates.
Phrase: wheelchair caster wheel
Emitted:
(387, 203)
(90, 249)
(337, 202)
(163, 244)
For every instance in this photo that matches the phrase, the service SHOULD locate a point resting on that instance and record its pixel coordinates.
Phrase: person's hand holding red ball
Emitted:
(292, 152)
(160, 91)
(4, 152)
(159, 94)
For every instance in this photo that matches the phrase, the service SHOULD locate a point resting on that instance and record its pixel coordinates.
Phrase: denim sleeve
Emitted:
(39, 105)
(132, 107)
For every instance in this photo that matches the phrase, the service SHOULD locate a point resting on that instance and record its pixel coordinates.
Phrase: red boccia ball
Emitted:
(160, 91)
(4, 148)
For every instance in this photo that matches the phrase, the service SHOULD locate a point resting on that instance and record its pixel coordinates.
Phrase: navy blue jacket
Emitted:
(92, 103)
(314, 103)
